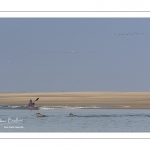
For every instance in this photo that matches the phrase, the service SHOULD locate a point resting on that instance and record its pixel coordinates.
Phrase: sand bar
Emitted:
(112, 99)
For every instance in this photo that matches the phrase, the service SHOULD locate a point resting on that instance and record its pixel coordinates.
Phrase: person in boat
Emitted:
(31, 104)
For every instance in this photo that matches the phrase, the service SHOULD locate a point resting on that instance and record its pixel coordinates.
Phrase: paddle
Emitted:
(36, 100)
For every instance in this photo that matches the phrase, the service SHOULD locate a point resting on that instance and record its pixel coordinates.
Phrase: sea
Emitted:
(84, 119)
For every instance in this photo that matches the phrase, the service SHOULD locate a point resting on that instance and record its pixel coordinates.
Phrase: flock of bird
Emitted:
(62, 52)
(77, 52)
(135, 33)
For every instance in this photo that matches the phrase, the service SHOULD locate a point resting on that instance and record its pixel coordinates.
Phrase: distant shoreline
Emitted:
(121, 100)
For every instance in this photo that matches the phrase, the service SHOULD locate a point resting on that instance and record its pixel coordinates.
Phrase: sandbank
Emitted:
(139, 100)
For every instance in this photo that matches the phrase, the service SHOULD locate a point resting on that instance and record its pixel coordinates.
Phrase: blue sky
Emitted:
(74, 54)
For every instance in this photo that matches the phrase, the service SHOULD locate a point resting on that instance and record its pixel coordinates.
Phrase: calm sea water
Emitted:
(85, 120)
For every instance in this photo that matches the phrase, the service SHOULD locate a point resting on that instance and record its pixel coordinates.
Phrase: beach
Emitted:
(127, 100)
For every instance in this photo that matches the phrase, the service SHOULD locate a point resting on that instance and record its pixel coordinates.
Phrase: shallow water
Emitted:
(84, 120)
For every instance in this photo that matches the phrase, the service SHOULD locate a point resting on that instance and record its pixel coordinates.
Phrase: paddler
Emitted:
(31, 104)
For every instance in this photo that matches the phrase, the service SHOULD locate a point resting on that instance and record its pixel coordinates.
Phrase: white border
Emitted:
(74, 14)
(74, 5)
(69, 144)
(64, 135)
(74, 8)
(101, 140)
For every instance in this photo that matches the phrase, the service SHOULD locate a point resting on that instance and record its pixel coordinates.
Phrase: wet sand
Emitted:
(130, 100)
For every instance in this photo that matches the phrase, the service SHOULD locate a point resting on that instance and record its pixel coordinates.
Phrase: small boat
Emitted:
(30, 106)
(19, 107)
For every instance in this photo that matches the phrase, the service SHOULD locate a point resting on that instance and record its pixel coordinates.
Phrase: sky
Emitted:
(74, 54)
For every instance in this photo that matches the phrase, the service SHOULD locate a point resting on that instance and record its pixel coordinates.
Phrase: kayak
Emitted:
(30, 107)
(19, 107)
